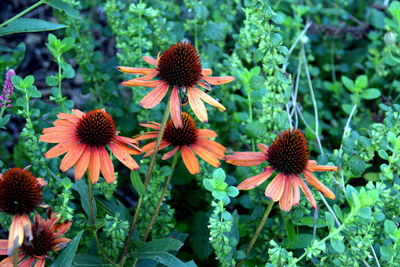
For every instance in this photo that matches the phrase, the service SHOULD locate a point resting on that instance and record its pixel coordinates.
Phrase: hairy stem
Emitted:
(258, 231)
(160, 200)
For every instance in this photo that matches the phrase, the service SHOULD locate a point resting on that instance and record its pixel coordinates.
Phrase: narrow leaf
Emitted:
(30, 25)
(68, 254)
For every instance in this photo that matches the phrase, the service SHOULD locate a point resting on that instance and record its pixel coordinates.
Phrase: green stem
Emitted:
(146, 182)
(92, 223)
(23, 13)
(253, 146)
(258, 231)
(160, 200)
(15, 258)
(59, 85)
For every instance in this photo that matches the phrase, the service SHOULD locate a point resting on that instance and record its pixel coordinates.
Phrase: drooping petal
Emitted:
(255, 181)
(64, 123)
(197, 105)
(146, 136)
(246, 158)
(3, 246)
(139, 82)
(155, 96)
(206, 72)
(27, 262)
(152, 126)
(58, 137)
(94, 165)
(313, 181)
(296, 190)
(126, 140)
(286, 201)
(68, 117)
(106, 166)
(71, 157)
(149, 76)
(8, 262)
(307, 192)
(206, 155)
(208, 99)
(131, 70)
(175, 107)
(123, 156)
(275, 188)
(322, 168)
(206, 133)
(16, 235)
(58, 129)
(61, 243)
(215, 147)
(218, 80)
(150, 60)
(40, 263)
(263, 148)
(129, 148)
(82, 163)
(170, 153)
(190, 160)
(162, 146)
(78, 113)
(59, 149)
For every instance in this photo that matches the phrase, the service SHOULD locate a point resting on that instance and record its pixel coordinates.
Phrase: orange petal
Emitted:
(255, 181)
(126, 140)
(146, 136)
(68, 117)
(162, 146)
(64, 123)
(150, 60)
(313, 181)
(134, 70)
(71, 157)
(208, 99)
(321, 168)
(40, 263)
(204, 85)
(16, 234)
(155, 96)
(215, 147)
(170, 154)
(263, 148)
(138, 82)
(60, 149)
(175, 107)
(123, 156)
(27, 262)
(58, 129)
(206, 72)
(206, 133)
(190, 160)
(106, 166)
(8, 262)
(197, 105)
(82, 163)
(296, 190)
(286, 201)
(3, 246)
(57, 137)
(275, 188)
(94, 165)
(218, 80)
(246, 158)
(307, 192)
(129, 148)
(156, 127)
(206, 155)
(78, 113)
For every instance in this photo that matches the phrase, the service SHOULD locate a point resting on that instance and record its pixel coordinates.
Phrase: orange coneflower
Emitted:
(46, 238)
(289, 156)
(189, 140)
(20, 194)
(84, 138)
(178, 67)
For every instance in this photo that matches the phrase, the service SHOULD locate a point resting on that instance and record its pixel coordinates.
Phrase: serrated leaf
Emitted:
(137, 183)
(30, 25)
(70, 11)
(67, 255)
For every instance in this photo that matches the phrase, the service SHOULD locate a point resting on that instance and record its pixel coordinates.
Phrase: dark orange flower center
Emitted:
(20, 192)
(289, 153)
(42, 242)
(184, 136)
(180, 65)
(96, 128)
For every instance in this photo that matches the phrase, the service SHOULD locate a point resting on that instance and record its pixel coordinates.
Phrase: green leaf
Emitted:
(337, 245)
(219, 175)
(390, 228)
(4, 120)
(30, 25)
(371, 93)
(137, 183)
(68, 254)
(348, 83)
(86, 260)
(361, 82)
(160, 245)
(52, 80)
(330, 221)
(33, 92)
(394, 9)
(70, 11)
(68, 71)
(164, 258)
(357, 166)
(82, 189)
(232, 191)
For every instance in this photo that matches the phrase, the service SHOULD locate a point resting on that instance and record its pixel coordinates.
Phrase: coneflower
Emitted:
(20, 194)
(289, 156)
(179, 68)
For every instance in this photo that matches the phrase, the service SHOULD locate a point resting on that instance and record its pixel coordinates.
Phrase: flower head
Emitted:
(7, 90)
(289, 156)
(179, 67)
(46, 238)
(84, 138)
(20, 194)
(188, 140)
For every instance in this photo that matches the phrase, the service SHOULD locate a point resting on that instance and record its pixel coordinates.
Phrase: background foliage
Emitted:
(329, 68)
